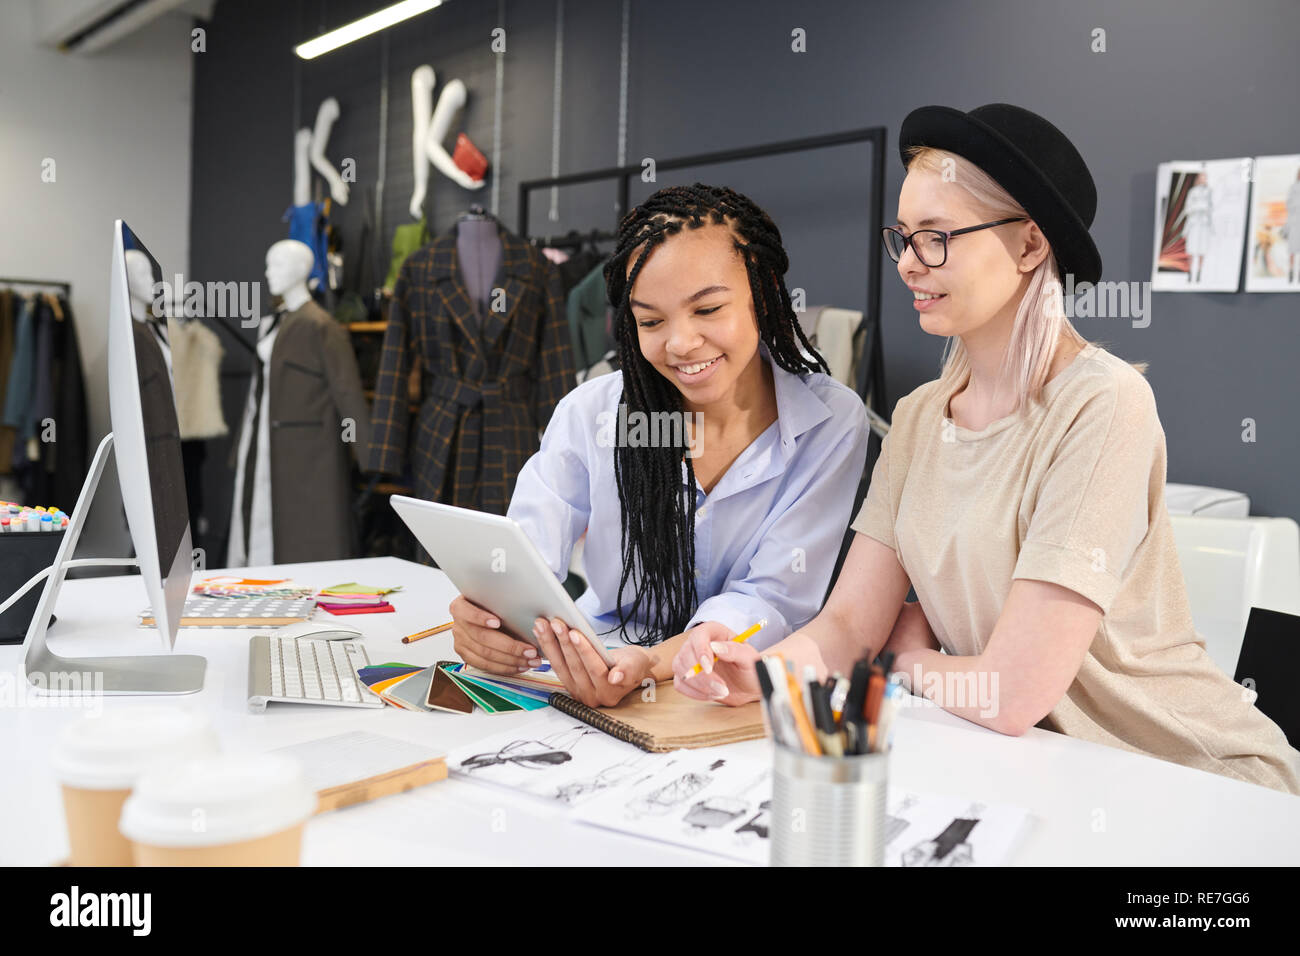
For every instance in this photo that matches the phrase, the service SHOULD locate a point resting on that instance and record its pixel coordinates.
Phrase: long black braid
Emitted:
(658, 518)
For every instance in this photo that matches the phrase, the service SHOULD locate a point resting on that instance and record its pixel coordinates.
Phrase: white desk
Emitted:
(1090, 804)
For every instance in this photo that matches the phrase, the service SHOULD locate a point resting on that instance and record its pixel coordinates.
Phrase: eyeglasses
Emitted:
(930, 245)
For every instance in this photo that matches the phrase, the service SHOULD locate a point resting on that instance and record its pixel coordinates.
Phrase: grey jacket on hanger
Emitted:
(319, 420)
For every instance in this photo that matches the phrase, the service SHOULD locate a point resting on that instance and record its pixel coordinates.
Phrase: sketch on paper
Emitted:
(575, 791)
(1273, 257)
(1200, 225)
(536, 754)
(664, 798)
(720, 806)
(725, 808)
(717, 811)
(951, 847)
(557, 758)
(759, 824)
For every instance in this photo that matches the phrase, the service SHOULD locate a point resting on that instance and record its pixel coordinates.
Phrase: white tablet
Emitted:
(494, 564)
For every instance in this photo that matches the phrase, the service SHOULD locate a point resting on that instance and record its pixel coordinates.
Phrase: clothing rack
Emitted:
(66, 287)
(871, 367)
(573, 239)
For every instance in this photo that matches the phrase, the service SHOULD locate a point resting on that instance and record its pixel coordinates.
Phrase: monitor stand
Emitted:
(84, 676)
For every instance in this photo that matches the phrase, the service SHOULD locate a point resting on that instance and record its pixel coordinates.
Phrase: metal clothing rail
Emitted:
(871, 369)
(67, 289)
(43, 283)
(573, 239)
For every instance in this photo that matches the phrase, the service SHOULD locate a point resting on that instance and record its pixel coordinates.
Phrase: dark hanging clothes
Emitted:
(577, 267)
(46, 404)
(9, 308)
(490, 380)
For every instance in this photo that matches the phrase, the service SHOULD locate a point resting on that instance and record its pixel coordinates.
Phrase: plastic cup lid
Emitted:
(110, 751)
(208, 801)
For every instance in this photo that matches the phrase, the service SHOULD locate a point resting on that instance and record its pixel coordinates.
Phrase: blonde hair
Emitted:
(1040, 318)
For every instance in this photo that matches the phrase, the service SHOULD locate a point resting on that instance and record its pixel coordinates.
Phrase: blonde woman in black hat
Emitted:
(1022, 492)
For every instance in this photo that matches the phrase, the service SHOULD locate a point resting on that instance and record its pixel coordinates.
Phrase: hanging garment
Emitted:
(588, 313)
(312, 420)
(406, 239)
(578, 267)
(18, 395)
(45, 403)
(490, 380)
(250, 540)
(66, 458)
(836, 334)
(9, 306)
(196, 361)
(307, 224)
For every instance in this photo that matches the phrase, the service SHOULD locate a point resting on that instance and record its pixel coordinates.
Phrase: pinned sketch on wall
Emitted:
(557, 758)
(1273, 249)
(1200, 225)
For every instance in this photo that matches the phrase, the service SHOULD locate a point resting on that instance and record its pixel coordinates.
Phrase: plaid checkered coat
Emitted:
(489, 380)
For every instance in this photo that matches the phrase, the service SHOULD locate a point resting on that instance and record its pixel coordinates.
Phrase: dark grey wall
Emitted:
(1180, 79)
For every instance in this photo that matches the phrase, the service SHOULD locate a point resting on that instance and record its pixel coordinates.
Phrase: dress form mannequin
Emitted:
(429, 130)
(478, 251)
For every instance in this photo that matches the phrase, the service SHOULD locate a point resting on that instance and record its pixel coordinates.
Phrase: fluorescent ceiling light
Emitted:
(379, 20)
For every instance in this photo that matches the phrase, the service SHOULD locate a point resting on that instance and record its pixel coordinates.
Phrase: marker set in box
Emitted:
(19, 518)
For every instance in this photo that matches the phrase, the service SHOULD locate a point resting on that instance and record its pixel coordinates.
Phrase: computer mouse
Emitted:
(320, 631)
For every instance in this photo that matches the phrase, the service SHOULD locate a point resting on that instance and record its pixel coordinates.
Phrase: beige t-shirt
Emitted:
(1073, 494)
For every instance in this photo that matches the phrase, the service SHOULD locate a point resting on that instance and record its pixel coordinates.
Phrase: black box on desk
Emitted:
(23, 554)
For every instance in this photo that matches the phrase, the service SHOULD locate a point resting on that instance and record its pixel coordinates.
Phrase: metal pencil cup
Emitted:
(828, 811)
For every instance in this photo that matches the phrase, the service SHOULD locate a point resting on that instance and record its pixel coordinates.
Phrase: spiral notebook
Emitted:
(671, 721)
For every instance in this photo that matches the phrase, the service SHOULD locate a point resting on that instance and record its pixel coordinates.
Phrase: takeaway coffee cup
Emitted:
(223, 810)
(98, 760)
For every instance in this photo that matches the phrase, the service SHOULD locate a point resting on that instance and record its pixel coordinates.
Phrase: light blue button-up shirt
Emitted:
(767, 536)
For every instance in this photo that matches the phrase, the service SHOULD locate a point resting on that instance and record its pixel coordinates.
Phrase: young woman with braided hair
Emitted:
(736, 514)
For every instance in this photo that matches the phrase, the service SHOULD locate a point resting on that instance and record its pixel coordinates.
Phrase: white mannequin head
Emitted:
(288, 264)
(139, 284)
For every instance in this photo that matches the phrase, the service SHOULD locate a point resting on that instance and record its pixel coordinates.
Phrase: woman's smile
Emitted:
(694, 373)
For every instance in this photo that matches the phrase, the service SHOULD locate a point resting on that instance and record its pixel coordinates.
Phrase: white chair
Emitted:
(1200, 500)
(1231, 565)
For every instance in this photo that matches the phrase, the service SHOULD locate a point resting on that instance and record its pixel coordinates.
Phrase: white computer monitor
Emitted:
(146, 437)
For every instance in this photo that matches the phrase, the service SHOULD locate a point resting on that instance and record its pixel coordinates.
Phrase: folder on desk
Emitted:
(356, 767)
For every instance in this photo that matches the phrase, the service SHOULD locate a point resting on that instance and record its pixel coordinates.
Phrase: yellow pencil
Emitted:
(421, 635)
(740, 638)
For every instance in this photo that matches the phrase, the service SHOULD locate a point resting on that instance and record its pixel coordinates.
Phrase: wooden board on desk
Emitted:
(398, 781)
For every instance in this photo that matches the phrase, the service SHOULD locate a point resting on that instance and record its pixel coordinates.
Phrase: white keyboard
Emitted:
(306, 671)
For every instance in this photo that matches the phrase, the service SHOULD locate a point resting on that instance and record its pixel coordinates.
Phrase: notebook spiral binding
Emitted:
(602, 722)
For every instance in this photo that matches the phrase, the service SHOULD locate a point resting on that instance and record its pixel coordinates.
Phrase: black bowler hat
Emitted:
(1029, 158)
